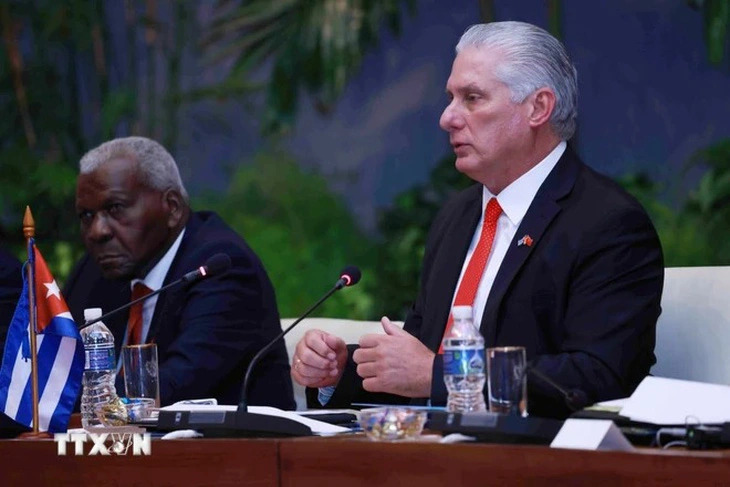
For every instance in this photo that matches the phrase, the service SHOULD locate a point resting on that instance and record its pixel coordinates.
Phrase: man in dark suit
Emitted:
(138, 229)
(11, 283)
(573, 267)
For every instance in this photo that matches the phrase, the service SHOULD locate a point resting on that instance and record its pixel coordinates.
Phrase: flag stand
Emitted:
(29, 233)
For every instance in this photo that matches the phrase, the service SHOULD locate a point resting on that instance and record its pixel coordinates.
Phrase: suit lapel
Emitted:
(541, 213)
(176, 271)
(448, 263)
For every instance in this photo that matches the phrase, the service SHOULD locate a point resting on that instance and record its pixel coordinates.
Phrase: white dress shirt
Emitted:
(515, 200)
(154, 280)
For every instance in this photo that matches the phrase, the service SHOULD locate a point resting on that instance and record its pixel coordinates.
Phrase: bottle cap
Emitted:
(462, 313)
(91, 313)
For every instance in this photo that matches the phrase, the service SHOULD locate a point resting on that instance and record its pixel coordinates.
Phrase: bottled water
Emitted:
(99, 371)
(464, 363)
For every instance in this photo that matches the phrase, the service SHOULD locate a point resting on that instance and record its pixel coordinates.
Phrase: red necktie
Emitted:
(475, 268)
(134, 324)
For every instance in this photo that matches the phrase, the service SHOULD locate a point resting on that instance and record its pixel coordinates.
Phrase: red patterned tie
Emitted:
(134, 324)
(474, 270)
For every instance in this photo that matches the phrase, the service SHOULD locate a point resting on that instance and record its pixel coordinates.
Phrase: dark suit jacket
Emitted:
(11, 283)
(583, 299)
(207, 332)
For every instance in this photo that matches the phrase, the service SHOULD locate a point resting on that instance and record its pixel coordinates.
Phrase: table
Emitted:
(356, 461)
(318, 463)
(250, 463)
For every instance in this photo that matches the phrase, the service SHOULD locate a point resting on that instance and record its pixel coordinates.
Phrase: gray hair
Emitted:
(157, 168)
(533, 59)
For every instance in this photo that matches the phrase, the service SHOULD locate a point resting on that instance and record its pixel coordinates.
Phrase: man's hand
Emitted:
(319, 359)
(396, 363)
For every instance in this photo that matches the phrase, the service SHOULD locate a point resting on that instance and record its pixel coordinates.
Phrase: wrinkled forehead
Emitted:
(116, 177)
(477, 65)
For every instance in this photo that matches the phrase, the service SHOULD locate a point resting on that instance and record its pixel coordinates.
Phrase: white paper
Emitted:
(318, 427)
(614, 403)
(663, 401)
(316, 412)
(591, 434)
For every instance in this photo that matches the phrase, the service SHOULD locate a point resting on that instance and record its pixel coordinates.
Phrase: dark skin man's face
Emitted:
(125, 225)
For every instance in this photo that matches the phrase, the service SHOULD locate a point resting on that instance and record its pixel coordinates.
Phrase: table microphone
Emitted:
(349, 276)
(216, 265)
(241, 422)
(575, 399)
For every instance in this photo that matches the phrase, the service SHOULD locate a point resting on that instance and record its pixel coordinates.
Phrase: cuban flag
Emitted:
(60, 355)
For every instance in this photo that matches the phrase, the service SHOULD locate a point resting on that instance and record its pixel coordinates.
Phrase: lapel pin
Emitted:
(526, 240)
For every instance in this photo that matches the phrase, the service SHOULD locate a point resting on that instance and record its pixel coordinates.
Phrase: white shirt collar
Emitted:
(156, 276)
(516, 198)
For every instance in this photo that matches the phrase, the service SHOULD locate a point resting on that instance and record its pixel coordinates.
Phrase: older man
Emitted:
(140, 234)
(551, 255)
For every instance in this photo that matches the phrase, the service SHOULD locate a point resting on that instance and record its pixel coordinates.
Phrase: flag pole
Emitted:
(29, 233)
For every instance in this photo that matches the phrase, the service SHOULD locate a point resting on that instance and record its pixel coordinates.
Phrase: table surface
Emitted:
(355, 461)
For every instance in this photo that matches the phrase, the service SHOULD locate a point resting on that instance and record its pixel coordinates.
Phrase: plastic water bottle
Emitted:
(464, 363)
(100, 369)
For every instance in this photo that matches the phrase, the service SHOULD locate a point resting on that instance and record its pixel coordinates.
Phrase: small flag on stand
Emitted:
(60, 354)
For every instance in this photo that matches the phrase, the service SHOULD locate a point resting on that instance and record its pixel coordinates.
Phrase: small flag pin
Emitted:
(526, 240)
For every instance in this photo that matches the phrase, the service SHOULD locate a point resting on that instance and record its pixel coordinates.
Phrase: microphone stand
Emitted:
(241, 423)
(574, 399)
(214, 266)
(243, 404)
(130, 304)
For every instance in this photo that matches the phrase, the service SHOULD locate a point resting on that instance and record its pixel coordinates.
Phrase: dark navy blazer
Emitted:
(206, 332)
(583, 299)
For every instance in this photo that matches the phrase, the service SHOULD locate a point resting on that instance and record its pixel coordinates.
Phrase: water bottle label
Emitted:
(100, 359)
(464, 361)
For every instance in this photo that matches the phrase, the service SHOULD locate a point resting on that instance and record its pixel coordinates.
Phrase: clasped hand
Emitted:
(395, 363)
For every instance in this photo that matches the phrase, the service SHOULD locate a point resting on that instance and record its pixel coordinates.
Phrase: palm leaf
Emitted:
(315, 45)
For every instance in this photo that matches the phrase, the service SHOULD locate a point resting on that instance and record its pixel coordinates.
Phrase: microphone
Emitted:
(241, 422)
(575, 399)
(216, 265)
(349, 276)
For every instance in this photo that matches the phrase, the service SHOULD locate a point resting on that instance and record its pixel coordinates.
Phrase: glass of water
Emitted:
(507, 381)
(141, 378)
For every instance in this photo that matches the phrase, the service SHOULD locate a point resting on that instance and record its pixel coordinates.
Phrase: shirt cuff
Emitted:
(325, 394)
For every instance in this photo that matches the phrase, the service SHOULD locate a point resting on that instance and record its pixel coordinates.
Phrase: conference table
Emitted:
(354, 460)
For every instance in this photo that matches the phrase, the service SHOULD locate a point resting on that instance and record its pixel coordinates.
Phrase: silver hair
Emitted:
(157, 167)
(533, 59)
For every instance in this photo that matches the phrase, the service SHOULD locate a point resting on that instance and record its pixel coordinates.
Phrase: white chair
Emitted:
(693, 331)
(349, 330)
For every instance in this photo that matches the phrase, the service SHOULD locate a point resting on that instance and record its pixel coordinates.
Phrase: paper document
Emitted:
(663, 401)
(318, 427)
(614, 403)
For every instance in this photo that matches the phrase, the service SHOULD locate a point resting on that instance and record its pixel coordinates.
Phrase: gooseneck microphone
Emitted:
(349, 276)
(575, 399)
(241, 422)
(217, 264)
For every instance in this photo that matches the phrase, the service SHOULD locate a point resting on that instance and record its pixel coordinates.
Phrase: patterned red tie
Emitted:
(474, 270)
(134, 324)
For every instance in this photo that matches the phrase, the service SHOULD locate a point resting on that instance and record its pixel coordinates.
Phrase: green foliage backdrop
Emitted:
(58, 100)
(303, 234)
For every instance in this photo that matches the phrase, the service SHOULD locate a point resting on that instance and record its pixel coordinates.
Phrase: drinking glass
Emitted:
(141, 378)
(507, 381)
